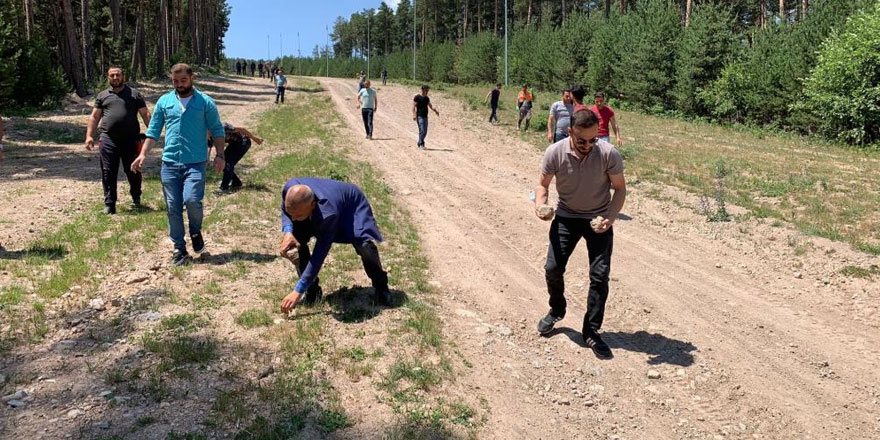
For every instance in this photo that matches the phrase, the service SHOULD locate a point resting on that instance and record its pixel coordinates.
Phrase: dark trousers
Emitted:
(565, 233)
(234, 153)
(384, 80)
(112, 152)
(367, 250)
(494, 114)
(279, 94)
(367, 114)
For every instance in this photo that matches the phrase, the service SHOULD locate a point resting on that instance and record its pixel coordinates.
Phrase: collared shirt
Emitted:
(342, 215)
(583, 184)
(185, 127)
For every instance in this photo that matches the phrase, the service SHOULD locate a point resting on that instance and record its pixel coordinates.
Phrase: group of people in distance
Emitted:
(588, 169)
(241, 68)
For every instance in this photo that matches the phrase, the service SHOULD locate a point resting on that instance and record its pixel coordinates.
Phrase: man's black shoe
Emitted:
(383, 297)
(313, 295)
(545, 325)
(198, 243)
(135, 205)
(110, 209)
(599, 347)
(179, 258)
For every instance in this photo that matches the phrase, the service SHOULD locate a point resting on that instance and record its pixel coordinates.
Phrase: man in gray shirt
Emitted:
(586, 170)
(560, 115)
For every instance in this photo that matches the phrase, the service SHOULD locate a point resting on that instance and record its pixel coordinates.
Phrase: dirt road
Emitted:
(751, 337)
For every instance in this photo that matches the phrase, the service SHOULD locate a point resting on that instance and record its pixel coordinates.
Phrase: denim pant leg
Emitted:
(193, 193)
(599, 247)
(494, 115)
(423, 129)
(564, 236)
(367, 115)
(172, 175)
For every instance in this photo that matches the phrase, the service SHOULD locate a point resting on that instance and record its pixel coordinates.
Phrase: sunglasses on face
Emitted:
(579, 141)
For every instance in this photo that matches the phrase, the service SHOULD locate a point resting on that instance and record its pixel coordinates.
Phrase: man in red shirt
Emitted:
(606, 117)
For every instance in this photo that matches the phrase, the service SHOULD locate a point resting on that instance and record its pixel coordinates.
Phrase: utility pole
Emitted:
(505, 42)
(369, 16)
(327, 50)
(268, 43)
(414, 39)
(298, 56)
(280, 46)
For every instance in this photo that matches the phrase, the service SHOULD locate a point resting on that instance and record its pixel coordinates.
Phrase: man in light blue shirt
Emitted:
(368, 102)
(280, 85)
(187, 116)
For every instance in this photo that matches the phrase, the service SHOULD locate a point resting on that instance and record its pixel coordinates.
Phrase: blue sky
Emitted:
(253, 20)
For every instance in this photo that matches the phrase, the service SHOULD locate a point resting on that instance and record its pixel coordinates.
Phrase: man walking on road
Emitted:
(361, 79)
(238, 67)
(280, 85)
(332, 212)
(384, 76)
(115, 116)
(421, 104)
(253, 68)
(187, 115)
(586, 169)
(492, 98)
(368, 102)
(524, 104)
(606, 118)
(260, 68)
(560, 116)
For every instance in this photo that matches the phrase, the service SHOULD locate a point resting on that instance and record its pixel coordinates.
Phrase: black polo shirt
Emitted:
(120, 110)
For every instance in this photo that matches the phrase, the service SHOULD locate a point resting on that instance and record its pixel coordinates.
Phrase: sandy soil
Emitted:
(750, 339)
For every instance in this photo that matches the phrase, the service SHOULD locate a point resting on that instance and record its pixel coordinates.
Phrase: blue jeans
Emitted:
(423, 129)
(367, 114)
(605, 138)
(183, 184)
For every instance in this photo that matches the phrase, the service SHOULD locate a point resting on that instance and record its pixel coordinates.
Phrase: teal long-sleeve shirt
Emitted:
(185, 129)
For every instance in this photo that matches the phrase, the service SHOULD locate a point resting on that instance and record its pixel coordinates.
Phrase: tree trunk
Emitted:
(804, 5)
(563, 11)
(70, 49)
(687, 13)
(781, 11)
(28, 18)
(87, 49)
(495, 23)
(136, 66)
(529, 15)
(193, 34)
(160, 49)
(608, 9)
(762, 13)
(115, 19)
(622, 7)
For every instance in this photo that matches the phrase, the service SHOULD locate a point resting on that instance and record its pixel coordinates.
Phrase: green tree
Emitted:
(843, 91)
(476, 60)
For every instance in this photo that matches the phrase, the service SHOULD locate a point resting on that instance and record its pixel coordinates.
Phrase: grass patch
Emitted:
(181, 349)
(253, 318)
(860, 272)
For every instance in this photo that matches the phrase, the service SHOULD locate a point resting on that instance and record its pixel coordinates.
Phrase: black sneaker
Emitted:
(135, 205)
(110, 209)
(545, 325)
(383, 297)
(179, 258)
(599, 347)
(236, 185)
(198, 243)
(313, 295)
(221, 191)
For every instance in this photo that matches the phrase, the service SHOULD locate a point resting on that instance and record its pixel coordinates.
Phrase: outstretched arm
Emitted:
(251, 136)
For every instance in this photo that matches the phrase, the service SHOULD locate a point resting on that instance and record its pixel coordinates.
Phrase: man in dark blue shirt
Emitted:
(332, 212)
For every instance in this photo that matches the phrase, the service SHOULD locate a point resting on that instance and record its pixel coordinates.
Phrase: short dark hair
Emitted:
(599, 95)
(583, 118)
(116, 68)
(497, 84)
(567, 89)
(181, 68)
(578, 92)
(425, 87)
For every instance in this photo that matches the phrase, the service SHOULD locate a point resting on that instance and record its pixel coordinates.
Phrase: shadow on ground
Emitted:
(660, 349)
